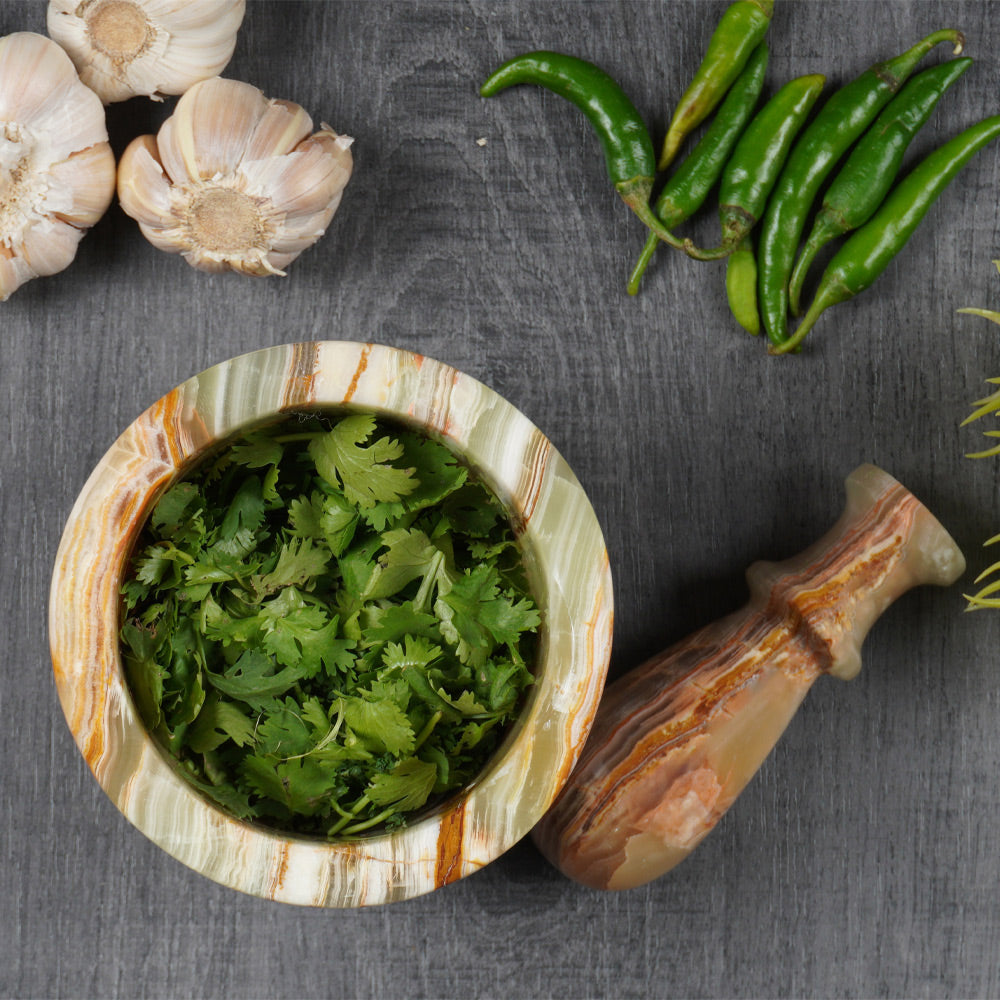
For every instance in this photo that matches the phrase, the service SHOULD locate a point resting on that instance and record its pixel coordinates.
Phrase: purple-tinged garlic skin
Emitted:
(57, 171)
(234, 181)
(676, 740)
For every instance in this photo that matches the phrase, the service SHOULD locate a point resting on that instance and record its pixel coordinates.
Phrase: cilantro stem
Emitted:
(184, 557)
(426, 731)
(369, 823)
(422, 599)
(355, 809)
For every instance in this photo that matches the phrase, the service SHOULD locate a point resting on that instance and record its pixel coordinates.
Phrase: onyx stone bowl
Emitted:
(567, 566)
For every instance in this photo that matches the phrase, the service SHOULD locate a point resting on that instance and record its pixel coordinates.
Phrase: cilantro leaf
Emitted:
(338, 521)
(407, 786)
(409, 554)
(283, 732)
(300, 784)
(257, 451)
(246, 510)
(219, 720)
(364, 473)
(437, 474)
(381, 725)
(395, 622)
(459, 610)
(298, 562)
(174, 506)
(252, 679)
(507, 619)
(145, 675)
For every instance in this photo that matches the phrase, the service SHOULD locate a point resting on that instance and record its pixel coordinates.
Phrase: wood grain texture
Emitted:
(862, 860)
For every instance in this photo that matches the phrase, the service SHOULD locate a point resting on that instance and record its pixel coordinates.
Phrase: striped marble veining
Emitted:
(566, 561)
(676, 740)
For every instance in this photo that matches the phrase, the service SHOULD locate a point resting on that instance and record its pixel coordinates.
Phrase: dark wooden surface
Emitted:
(863, 860)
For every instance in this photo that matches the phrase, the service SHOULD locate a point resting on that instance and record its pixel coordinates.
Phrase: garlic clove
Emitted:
(125, 48)
(14, 272)
(50, 247)
(304, 181)
(168, 152)
(34, 77)
(67, 123)
(57, 170)
(80, 178)
(212, 125)
(214, 21)
(144, 189)
(233, 181)
(279, 130)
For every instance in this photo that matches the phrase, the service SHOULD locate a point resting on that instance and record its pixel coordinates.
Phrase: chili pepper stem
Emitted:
(713, 253)
(635, 193)
(652, 242)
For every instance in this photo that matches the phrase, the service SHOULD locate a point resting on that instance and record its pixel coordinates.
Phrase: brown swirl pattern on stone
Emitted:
(676, 740)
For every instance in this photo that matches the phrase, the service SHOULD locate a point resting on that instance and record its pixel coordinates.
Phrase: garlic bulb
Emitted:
(234, 181)
(57, 171)
(125, 48)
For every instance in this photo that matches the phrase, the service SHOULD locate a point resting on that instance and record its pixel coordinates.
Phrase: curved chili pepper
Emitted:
(628, 149)
(740, 30)
(865, 179)
(757, 160)
(688, 188)
(741, 286)
(839, 123)
(867, 253)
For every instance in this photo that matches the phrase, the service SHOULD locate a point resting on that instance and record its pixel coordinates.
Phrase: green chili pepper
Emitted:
(757, 160)
(839, 123)
(628, 149)
(741, 286)
(865, 179)
(867, 253)
(738, 33)
(688, 188)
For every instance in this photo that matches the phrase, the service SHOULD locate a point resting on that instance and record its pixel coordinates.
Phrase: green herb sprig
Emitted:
(987, 596)
(328, 625)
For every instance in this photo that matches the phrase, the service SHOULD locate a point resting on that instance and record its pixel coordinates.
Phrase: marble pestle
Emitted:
(677, 739)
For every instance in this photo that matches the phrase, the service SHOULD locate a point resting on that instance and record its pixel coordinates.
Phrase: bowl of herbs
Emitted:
(329, 623)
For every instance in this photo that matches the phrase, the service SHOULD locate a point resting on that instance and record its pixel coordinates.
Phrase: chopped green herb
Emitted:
(328, 625)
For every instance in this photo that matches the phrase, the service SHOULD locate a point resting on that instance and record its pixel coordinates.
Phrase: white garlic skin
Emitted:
(130, 48)
(235, 181)
(57, 171)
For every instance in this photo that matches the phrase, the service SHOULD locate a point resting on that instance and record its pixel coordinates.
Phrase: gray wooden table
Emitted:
(863, 860)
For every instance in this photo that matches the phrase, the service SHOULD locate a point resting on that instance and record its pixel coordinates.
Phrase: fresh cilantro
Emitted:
(365, 474)
(329, 625)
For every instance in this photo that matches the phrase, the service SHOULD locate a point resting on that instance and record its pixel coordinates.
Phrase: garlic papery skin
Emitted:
(57, 171)
(128, 48)
(234, 181)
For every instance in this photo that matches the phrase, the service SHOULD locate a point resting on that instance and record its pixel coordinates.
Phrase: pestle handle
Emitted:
(885, 542)
(677, 739)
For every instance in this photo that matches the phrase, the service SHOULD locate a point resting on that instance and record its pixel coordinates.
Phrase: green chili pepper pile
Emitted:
(769, 166)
